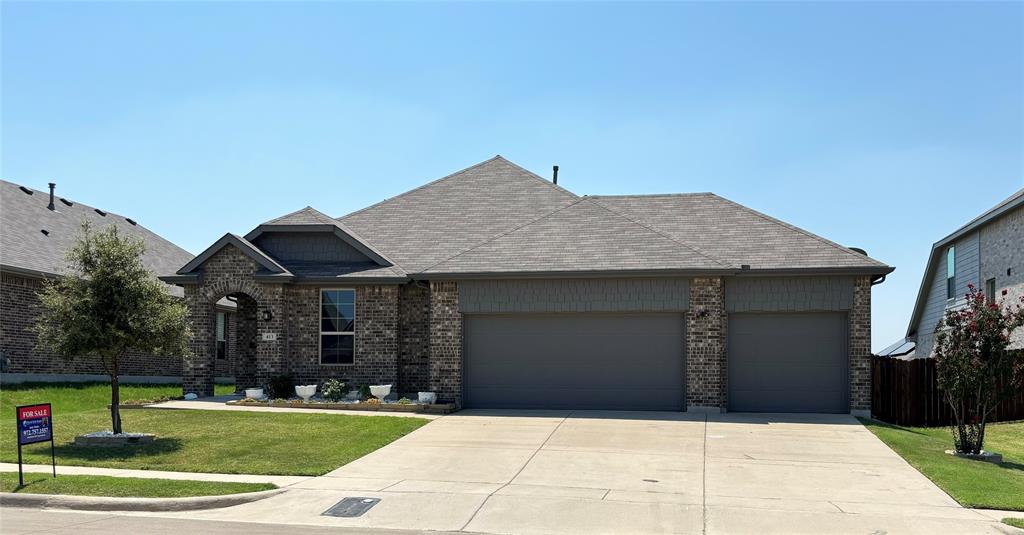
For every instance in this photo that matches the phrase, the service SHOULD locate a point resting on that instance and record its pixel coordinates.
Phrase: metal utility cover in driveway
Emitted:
(575, 361)
(351, 507)
(788, 362)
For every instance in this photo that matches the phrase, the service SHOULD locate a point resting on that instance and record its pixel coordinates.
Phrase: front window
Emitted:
(337, 326)
(951, 273)
(990, 289)
(222, 339)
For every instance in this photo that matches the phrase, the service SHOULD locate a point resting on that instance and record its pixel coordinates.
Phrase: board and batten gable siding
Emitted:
(308, 247)
(967, 272)
(788, 294)
(573, 295)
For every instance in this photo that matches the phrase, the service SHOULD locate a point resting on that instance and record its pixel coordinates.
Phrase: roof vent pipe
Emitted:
(555, 177)
(53, 185)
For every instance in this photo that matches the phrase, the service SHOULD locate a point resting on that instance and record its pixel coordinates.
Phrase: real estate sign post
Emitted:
(35, 424)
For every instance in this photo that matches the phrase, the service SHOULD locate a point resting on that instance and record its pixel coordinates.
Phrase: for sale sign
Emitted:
(34, 424)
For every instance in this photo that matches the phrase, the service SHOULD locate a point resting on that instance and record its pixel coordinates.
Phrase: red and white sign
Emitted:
(31, 412)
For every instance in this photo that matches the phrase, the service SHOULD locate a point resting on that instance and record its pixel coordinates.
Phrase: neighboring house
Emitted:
(987, 252)
(36, 230)
(497, 289)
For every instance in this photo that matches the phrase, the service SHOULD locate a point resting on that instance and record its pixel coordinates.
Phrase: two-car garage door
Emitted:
(575, 361)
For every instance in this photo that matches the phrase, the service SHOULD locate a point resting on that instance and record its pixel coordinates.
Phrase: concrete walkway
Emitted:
(280, 481)
(218, 404)
(547, 472)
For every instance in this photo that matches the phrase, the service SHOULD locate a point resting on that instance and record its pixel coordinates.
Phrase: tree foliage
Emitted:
(107, 304)
(976, 369)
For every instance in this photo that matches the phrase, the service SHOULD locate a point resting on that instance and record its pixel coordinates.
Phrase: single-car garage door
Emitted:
(788, 362)
(574, 361)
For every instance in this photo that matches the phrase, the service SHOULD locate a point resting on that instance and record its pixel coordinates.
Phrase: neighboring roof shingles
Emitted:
(584, 236)
(736, 234)
(443, 218)
(23, 245)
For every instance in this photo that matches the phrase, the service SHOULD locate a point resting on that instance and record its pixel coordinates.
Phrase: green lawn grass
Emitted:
(123, 486)
(1015, 522)
(195, 440)
(972, 483)
(74, 397)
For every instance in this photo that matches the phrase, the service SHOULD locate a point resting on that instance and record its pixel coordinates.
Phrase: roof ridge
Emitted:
(692, 194)
(534, 175)
(694, 248)
(494, 158)
(299, 211)
(809, 234)
(501, 234)
(417, 188)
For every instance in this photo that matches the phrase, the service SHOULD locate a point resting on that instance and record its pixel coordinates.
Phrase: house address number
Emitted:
(269, 337)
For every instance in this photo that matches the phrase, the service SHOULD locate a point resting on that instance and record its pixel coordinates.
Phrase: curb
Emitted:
(106, 503)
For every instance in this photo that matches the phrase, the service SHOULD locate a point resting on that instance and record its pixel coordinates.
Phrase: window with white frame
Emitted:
(337, 326)
(951, 272)
(222, 337)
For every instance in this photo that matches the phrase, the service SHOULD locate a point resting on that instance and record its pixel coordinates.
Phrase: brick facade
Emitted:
(19, 302)
(414, 337)
(860, 347)
(706, 324)
(445, 341)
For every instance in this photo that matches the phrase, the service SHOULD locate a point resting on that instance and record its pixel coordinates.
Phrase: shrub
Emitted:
(364, 392)
(281, 386)
(971, 356)
(404, 401)
(373, 401)
(334, 390)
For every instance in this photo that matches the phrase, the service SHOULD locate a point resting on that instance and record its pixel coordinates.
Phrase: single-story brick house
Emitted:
(36, 230)
(497, 288)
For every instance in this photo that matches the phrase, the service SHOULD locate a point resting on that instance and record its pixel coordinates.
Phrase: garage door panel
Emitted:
(788, 362)
(613, 361)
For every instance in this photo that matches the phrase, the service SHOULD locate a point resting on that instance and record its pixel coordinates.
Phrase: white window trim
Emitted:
(953, 298)
(320, 324)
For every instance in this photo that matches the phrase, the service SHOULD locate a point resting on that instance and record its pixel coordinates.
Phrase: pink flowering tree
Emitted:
(976, 370)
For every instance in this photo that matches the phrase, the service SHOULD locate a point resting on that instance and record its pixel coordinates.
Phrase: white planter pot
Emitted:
(305, 391)
(254, 393)
(380, 391)
(353, 395)
(428, 397)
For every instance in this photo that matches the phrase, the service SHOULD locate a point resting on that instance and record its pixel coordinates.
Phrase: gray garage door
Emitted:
(788, 362)
(574, 361)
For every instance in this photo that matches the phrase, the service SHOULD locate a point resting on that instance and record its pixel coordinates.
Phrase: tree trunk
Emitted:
(115, 399)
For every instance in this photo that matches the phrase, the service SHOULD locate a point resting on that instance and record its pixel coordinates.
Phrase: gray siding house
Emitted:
(987, 252)
(36, 230)
(496, 288)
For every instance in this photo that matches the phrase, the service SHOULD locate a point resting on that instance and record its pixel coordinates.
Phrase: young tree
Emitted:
(976, 370)
(108, 304)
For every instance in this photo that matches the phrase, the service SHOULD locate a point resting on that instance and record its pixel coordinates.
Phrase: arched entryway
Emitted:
(199, 367)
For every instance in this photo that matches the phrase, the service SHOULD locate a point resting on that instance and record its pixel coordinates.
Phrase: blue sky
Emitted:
(878, 125)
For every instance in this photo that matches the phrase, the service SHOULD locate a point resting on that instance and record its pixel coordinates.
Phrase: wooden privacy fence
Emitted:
(906, 392)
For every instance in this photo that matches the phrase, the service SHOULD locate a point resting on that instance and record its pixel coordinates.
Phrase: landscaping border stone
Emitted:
(436, 408)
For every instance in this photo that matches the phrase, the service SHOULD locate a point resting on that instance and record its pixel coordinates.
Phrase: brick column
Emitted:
(445, 342)
(198, 366)
(706, 324)
(270, 353)
(860, 348)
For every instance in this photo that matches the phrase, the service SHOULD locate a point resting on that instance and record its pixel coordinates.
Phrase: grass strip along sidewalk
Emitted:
(123, 487)
(226, 442)
(975, 484)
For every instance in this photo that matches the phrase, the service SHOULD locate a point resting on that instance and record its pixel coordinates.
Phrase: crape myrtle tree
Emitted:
(975, 367)
(108, 304)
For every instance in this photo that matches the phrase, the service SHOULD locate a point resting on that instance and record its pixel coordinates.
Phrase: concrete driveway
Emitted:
(618, 472)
